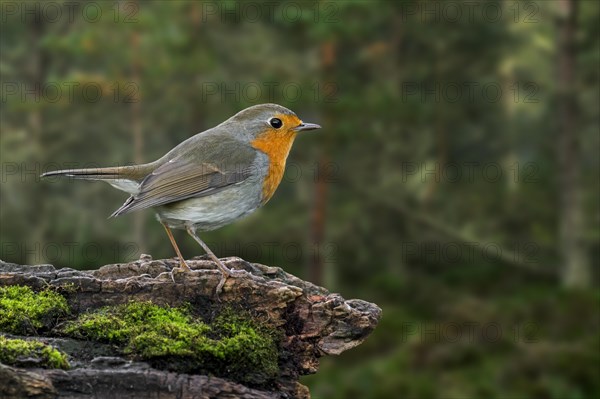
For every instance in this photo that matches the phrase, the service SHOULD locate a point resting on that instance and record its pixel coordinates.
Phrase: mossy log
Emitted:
(301, 320)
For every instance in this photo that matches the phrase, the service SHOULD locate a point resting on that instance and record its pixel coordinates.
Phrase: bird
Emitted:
(210, 179)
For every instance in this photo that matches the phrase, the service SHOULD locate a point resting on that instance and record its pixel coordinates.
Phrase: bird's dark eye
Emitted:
(276, 123)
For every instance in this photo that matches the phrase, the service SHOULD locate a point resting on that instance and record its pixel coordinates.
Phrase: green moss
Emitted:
(246, 344)
(23, 311)
(18, 352)
(233, 345)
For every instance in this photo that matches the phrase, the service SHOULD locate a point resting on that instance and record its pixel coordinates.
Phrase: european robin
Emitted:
(210, 179)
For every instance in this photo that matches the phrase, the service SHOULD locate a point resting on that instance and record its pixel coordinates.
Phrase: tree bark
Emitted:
(575, 268)
(312, 323)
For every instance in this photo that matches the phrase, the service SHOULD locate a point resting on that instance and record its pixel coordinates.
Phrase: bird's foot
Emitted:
(182, 268)
(225, 274)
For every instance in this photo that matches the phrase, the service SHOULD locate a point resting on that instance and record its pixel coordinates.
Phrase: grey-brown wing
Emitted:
(188, 177)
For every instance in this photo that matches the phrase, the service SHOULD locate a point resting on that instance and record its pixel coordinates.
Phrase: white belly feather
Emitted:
(213, 211)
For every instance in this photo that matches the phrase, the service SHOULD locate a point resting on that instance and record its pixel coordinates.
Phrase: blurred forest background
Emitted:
(455, 181)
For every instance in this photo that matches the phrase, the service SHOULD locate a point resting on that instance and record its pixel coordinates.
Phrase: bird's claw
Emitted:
(225, 274)
(224, 277)
(176, 270)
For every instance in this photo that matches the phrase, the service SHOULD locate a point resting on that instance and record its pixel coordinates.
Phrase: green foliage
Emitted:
(22, 311)
(233, 345)
(18, 352)
(548, 348)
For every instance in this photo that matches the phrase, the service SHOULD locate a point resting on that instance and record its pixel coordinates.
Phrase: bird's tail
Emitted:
(125, 178)
(133, 172)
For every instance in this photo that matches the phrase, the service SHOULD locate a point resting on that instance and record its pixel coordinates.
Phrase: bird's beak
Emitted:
(306, 126)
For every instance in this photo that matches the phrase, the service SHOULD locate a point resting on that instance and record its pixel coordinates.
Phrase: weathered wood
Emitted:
(314, 323)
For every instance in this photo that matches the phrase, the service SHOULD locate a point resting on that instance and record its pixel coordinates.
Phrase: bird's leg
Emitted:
(225, 271)
(182, 263)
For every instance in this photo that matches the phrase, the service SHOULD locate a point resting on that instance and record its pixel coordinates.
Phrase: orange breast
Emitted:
(277, 147)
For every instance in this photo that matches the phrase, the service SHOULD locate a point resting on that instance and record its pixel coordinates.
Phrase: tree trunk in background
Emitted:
(138, 138)
(38, 69)
(317, 232)
(441, 139)
(316, 270)
(575, 272)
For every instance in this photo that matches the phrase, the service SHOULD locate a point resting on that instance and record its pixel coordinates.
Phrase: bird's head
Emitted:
(268, 122)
